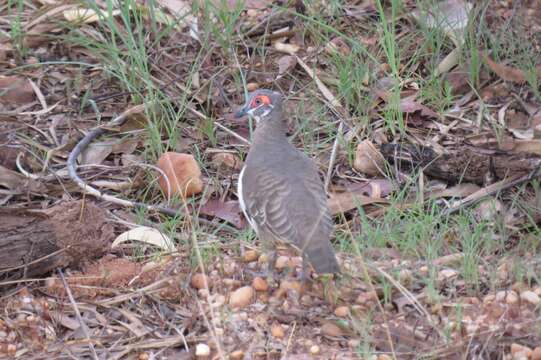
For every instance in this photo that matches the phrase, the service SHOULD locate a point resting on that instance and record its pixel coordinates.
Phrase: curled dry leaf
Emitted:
(286, 48)
(459, 190)
(408, 105)
(145, 235)
(337, 46)
(530, 297)
(506, 72)
(359, 195)
(225, 210)
(15, 90)
(368, 159)
(95, 153)
(227, 160)
(285, 63)
(183, 174)
(88, 16)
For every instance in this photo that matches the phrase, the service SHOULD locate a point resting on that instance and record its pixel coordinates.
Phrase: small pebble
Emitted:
(199, 281)
(260, 284)
(237, 355)
(341, 311)
(536, 353)
(202, 350)
(277, 331)
(282, 262)
(314, 350)
(241, 297)
(530, 296)
(250, 255)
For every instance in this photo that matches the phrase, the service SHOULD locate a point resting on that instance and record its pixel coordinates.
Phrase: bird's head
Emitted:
(260, 104)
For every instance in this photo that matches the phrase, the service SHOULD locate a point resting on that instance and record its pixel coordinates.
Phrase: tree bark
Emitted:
(34, 243)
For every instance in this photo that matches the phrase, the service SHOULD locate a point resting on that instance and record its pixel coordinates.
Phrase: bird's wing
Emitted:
(292, 207)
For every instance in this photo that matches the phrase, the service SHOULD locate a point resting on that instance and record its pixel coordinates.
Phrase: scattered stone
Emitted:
(405, 276)
(330, 329)
(341, 311)
(520, 351)
(263, 259)
(315, 350)
(286, 286)
(202, 350)
(282, 262)
(241, 297)
(536, 353)
(510, 297)
(295, 261)
(384, 357)
(250, 255)
(259, 284)
(200, 281)
(366, 297)
(237, 355)
(530, 296)
(204, 293)
(252, 86)
(216, 300)
(368, 159)
(226, 161)
(183, 174)
(277, 331)
(447, 274)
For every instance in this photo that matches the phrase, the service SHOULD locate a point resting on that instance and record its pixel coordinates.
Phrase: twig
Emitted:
(334, 151)
(78, 314)
(492, 189)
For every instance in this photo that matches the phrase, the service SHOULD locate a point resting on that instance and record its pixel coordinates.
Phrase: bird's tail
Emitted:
(323, 259)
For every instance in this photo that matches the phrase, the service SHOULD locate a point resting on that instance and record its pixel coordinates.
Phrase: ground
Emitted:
(424, 118)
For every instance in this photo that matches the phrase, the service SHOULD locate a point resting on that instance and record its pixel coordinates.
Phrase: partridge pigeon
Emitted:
(279, 188)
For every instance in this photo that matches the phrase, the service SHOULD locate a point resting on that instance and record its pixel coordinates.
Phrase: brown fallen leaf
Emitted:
(408, 105)
(286, 63)
(248, 4)
(359, 195)
(507, 73)
(510, 73)
(15, 90)
(459, 190)
(96, 153)
(227, 160)
(225, 210)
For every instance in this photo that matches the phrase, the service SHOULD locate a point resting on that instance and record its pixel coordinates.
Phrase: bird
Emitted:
(280, 191)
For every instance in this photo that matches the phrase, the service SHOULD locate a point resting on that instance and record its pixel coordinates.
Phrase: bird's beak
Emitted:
(241, 112)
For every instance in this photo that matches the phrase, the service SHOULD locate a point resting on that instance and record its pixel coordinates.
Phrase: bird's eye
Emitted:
(258, 101)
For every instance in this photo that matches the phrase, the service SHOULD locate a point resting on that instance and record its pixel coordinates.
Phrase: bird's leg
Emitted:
(271, 266)
(305, 272)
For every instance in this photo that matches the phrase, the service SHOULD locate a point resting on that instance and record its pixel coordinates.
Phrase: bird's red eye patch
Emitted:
(260, 100)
